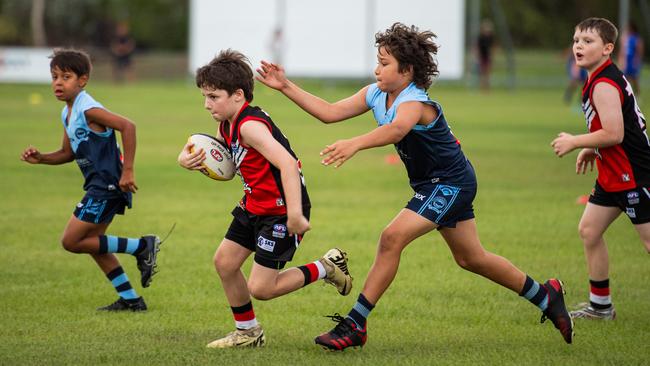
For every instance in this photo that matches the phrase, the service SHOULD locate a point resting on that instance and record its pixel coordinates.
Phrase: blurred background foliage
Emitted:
(155, 24)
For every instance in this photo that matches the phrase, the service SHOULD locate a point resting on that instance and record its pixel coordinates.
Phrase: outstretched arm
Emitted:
(408, 114)
(607, 102)
(127, 130)
(273, 76)
(63, 155)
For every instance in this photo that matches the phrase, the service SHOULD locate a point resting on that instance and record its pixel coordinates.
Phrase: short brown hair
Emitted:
(73, 60)
(605, 29)
(228, 71)
(411, 48)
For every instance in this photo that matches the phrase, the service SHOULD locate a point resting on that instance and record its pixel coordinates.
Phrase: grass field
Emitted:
(434, 313)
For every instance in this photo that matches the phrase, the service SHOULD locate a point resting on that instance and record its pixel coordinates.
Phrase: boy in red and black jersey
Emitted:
(618, 142)
(273, 215)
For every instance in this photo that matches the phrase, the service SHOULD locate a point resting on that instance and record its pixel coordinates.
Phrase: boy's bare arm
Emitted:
(408, 115)
(272, 75)
(127, 130)
(257, 135)
(61, 156)
(607, 103)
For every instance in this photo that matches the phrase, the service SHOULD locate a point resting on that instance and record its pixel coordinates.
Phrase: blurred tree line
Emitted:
(550, 23)
(163, 24)
(159, 24)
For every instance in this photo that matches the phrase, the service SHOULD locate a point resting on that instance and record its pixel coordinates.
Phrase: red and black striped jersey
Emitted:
(626, 165)
(263, 192)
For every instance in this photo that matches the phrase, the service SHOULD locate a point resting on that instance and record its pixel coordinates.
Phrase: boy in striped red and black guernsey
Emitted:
(273, 215)
(618, 142)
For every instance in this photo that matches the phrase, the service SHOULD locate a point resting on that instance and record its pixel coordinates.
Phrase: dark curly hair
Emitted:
(411, 48)
(228, 71)
(67, 59)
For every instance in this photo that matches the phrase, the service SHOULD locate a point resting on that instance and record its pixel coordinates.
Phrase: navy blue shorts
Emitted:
(267, 236)
(444, 203)
(99, 210)
(635, 202)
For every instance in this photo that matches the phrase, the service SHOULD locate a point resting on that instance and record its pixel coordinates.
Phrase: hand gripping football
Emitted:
(218, 163)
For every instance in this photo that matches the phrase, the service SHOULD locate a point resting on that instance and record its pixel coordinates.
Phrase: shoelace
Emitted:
(342, 328)
(340, 262)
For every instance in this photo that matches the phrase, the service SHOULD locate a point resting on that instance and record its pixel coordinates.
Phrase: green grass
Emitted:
(434, 312)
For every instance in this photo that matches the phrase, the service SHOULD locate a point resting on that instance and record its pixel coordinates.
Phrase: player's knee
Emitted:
(472, 263)
(260, 292)
(390, 241)
(223, 266)
(588, 234)
(70, 244)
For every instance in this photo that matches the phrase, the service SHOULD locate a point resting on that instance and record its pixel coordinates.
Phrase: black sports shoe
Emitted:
(556, 311)
(123, 305)
(147, 259)
(344, 335)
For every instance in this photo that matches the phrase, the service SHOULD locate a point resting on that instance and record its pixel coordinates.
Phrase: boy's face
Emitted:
(222, 106)
(589, 49)
(66, 84)
(387, 72)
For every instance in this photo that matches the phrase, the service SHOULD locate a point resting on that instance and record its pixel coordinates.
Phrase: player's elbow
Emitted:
(396, 134)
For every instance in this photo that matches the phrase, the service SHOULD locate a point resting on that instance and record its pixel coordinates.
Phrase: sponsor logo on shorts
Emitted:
(633, 197)
(265, 244)
(419, 196)
(438, 204)
(279, 231)
(216, 154)
(630, 212)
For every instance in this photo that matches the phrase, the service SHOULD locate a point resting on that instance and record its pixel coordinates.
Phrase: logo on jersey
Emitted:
(633, 197)
(216, 154)
(630, 212)
(238, 153)
(279, 202)
(265, 244)
(81, 133)
(83, 162)
(625, 177)
(590, 113)
(279, 231)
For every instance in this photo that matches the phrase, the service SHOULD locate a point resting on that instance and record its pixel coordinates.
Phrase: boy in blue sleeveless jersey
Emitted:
(89, 138)
(442, 178)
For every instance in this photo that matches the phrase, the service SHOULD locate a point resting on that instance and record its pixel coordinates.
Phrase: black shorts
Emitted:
(634, 202)
(99, 210)
(267, 236)
(446, 202)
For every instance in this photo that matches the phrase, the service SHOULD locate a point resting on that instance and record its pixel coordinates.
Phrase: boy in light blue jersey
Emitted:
(442, 178)
(89, 138)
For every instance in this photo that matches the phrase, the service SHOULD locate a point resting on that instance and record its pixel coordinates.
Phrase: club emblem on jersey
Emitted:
(279, 231)
(633, 197)
(625, 177)
(265, 244)
(81, 133)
